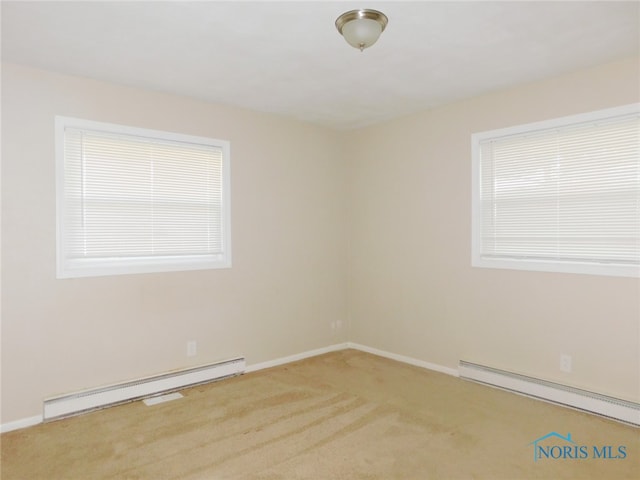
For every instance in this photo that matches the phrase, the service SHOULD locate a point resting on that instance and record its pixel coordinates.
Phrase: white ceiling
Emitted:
(288, 58)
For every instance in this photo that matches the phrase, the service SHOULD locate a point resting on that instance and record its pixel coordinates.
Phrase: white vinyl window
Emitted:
(132, 200)
(561, 195)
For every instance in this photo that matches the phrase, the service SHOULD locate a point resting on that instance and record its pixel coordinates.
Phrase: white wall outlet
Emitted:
(565, 363)
(192, 348)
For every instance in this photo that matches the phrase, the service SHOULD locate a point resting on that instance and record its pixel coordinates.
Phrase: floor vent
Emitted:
(162, 398)
(87, 400)
(622, 410)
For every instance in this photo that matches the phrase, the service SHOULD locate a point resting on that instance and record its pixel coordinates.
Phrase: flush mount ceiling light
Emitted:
(361, 28)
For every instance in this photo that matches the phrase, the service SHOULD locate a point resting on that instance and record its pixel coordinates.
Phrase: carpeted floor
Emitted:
(344, 415)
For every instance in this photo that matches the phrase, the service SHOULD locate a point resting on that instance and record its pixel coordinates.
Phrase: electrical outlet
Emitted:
(565, 363)
(192, 348)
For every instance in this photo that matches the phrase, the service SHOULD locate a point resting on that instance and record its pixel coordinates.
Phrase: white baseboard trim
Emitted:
(294, 358)
(401, 358)
(35, 420)
(18, 424)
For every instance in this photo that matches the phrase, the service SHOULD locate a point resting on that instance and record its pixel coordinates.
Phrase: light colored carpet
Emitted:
(344, 415)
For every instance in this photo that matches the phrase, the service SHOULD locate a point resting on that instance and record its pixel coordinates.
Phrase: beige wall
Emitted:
(412, 288)
(287, 284)
(398, 194)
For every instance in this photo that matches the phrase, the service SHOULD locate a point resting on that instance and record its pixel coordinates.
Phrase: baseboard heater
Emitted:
(92, 399)
(622, 410)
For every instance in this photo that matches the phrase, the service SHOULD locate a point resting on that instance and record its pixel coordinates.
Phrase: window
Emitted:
(561, 195)
(132, 200)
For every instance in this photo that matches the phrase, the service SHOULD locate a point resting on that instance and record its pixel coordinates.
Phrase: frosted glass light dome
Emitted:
(361, 28)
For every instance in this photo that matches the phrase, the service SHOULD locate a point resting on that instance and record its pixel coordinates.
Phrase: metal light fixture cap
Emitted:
(346, 17)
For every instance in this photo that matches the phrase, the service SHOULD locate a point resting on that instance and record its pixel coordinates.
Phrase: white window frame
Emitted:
(71, 268)
(478, 260)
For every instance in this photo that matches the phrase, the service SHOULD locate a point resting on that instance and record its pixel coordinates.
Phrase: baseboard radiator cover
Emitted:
(92, 399)
(615, 408)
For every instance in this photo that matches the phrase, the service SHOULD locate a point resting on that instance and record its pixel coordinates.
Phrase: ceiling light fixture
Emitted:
(361, 28)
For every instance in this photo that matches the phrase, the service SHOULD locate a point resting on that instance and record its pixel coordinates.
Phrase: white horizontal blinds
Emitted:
(129, 196)
(570, 193)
